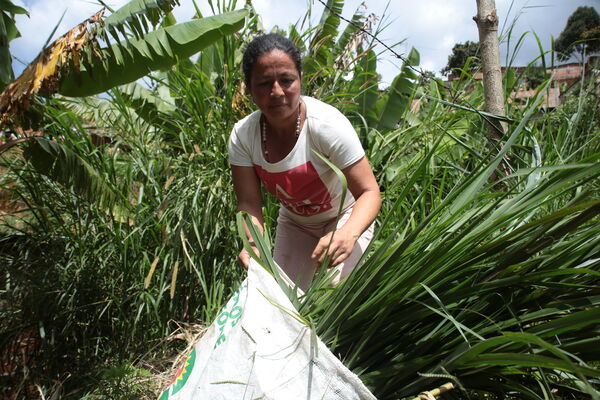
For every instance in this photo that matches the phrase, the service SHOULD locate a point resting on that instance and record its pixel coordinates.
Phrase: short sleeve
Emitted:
(239, 151)
(337, 140)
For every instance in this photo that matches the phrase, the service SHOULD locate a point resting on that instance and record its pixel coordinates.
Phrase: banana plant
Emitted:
(396, 103)
(324, 38)
(77, 65)
(330, 58)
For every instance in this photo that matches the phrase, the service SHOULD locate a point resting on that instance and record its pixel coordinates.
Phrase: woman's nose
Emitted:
(276, 89)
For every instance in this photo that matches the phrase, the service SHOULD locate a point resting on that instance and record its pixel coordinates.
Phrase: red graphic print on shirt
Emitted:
(299, 189)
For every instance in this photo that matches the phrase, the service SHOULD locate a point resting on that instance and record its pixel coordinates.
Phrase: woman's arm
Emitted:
(364, 188)
(247, 190)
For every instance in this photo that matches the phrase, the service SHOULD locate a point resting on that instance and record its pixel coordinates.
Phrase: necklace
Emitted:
(263, 132)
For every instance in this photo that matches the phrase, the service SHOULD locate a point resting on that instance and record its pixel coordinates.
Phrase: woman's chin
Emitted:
(278, 112)
(278, 107)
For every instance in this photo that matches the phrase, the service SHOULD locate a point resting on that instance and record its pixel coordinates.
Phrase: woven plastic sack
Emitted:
(258, 348)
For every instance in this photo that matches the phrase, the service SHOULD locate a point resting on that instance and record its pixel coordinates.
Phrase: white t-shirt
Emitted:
(308, 188)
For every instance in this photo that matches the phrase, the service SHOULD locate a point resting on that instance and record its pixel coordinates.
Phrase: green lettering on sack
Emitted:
(231, 313)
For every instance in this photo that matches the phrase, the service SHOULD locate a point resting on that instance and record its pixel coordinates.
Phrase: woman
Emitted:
(274, 146)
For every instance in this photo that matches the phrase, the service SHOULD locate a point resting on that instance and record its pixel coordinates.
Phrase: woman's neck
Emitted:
(282, 128)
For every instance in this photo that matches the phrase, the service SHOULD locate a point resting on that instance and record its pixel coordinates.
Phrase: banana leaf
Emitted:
(148, 106)
(365, 85)
(351, 30)
(324, 39)
(393, 107)
(8, 32)
(133, 16)
(124, 63)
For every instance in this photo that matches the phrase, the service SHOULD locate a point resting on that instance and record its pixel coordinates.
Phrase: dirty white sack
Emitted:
(258, 348)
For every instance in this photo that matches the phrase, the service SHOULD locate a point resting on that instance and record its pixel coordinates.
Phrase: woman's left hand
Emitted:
(340, 247)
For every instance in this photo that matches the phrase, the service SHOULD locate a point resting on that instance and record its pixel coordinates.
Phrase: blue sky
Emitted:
(431, 26)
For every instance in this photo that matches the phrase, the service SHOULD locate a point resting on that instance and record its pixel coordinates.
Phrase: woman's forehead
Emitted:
(272, 72)
(275, 59)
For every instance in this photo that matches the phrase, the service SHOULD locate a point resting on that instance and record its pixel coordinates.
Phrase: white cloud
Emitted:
(448, 41)
(281, 13)
(428, 65)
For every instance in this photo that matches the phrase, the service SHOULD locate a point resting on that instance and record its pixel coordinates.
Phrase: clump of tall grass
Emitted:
(103, 277)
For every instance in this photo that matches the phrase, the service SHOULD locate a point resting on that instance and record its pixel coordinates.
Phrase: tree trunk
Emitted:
(487, 24)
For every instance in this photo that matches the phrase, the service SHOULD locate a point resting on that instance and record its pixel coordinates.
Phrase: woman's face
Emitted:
(275, 86)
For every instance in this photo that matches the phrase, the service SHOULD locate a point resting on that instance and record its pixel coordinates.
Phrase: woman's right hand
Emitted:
(244, 257)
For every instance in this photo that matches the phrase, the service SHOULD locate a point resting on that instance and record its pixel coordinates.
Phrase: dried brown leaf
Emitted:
(42, 74)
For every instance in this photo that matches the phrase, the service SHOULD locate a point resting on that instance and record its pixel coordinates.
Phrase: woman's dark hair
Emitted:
(265, 44)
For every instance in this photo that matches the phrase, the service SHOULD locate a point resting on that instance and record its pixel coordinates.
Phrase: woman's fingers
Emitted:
(337, 257)
(340, 258)
(339, 248)
(244, 257)
(319, 251)
(326, 246)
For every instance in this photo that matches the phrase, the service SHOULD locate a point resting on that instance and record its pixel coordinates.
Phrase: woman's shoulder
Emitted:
(332, 134)
(248, 122)
(242, 140)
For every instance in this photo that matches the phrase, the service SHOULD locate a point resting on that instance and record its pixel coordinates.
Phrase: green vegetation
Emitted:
(581, 35)
(491, 285)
